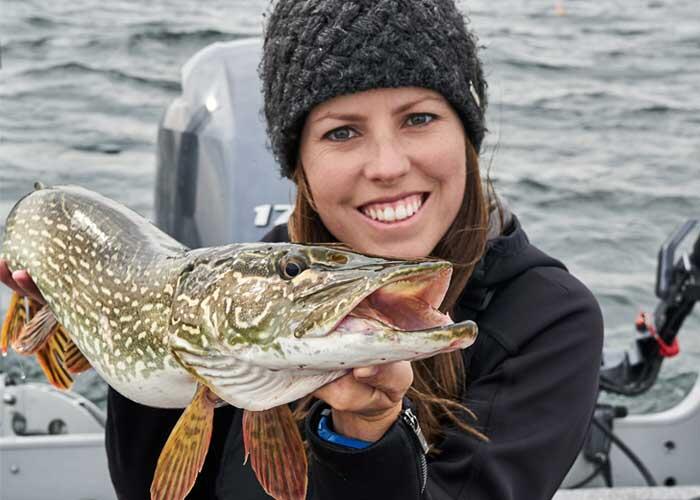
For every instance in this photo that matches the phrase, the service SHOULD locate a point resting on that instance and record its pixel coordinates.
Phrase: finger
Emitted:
(368, 390)
(393, 379)
(6, 278)
(25, 282)
(348, 395)
(365, 372)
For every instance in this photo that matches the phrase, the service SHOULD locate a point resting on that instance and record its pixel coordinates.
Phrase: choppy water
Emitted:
(594, 118)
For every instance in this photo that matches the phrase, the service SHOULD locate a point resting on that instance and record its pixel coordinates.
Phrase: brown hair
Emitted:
(439, 381)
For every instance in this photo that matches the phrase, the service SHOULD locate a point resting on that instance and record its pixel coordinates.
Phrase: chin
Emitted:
(403, 250)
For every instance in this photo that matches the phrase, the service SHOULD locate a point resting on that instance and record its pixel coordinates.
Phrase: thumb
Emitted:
(365, 372)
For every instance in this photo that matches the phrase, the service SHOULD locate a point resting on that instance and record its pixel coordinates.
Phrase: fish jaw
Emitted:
(386, 284)
(365, 311)
(241, 291)
(258, 377)
(361, 342)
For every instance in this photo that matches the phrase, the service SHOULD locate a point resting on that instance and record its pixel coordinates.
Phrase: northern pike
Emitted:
(255, 325)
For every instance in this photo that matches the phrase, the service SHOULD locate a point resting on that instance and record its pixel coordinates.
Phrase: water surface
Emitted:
(594, 123)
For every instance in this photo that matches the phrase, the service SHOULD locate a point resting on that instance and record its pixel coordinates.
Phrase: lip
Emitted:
(391, 199)
(398, 225)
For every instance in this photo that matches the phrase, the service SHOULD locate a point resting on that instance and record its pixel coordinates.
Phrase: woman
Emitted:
(375, 108)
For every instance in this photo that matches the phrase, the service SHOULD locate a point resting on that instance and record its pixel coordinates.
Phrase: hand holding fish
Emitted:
(367, 401)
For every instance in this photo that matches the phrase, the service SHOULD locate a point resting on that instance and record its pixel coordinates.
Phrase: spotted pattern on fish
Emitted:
(64, 241)
(155, 318)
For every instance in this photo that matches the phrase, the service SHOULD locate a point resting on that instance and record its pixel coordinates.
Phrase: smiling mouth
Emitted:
(395, 211)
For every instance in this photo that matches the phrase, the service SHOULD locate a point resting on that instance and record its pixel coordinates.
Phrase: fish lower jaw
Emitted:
(362, 345)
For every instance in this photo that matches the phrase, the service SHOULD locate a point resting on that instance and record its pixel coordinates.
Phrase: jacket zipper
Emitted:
(420, 444)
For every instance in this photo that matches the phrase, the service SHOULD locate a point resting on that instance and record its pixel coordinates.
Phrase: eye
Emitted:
(291, 266)
(340, 134)
(418, 119)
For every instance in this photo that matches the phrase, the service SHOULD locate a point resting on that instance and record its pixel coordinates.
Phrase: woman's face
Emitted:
(386, 169)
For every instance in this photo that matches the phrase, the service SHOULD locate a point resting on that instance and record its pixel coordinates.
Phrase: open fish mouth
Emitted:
(402, 305)
(396, 317)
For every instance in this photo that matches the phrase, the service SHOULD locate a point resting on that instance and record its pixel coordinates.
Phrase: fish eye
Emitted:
(291, 266)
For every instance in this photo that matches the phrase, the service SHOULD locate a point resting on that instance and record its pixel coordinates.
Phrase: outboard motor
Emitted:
(217, 181)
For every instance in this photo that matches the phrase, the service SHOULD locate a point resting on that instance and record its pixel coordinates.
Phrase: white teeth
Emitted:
(399, 211)
(389, 214)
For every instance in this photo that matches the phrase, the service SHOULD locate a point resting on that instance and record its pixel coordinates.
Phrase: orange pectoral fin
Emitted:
(277, 455)
(14, 321)
(33, 335)
(184, 452)
(43, 336)
(52, 362)
(74, 360)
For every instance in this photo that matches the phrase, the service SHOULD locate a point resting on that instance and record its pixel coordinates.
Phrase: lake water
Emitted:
(594, 125)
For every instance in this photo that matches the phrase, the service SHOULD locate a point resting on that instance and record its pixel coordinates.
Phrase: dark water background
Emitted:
(594, 118)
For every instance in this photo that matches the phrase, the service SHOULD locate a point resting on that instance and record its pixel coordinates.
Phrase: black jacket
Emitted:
(532, 382)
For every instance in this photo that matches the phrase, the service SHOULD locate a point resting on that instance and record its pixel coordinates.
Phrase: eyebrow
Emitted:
(355, 117)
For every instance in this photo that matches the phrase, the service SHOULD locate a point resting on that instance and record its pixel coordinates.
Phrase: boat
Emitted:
(50, 441)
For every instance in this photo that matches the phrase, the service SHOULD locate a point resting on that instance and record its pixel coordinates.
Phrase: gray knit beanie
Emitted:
(315, 50)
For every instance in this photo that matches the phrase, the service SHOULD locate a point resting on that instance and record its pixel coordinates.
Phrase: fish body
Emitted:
(256, 325)
(109, 278)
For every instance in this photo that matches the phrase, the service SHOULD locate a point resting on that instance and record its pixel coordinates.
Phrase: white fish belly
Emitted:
(170, 387)
(252, 387)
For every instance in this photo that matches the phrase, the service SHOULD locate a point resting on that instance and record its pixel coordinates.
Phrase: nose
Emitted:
(389, 161)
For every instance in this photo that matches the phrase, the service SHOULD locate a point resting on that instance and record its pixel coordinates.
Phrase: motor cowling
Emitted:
(217, 182)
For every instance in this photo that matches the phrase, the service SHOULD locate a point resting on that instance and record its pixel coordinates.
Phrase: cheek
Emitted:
(445, 161)
(445, 164)
(328, 189)
(331, 177)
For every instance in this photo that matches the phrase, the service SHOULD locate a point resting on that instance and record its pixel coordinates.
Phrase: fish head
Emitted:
(325, 307)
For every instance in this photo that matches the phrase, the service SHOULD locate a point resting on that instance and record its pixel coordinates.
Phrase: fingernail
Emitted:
(366, 371)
